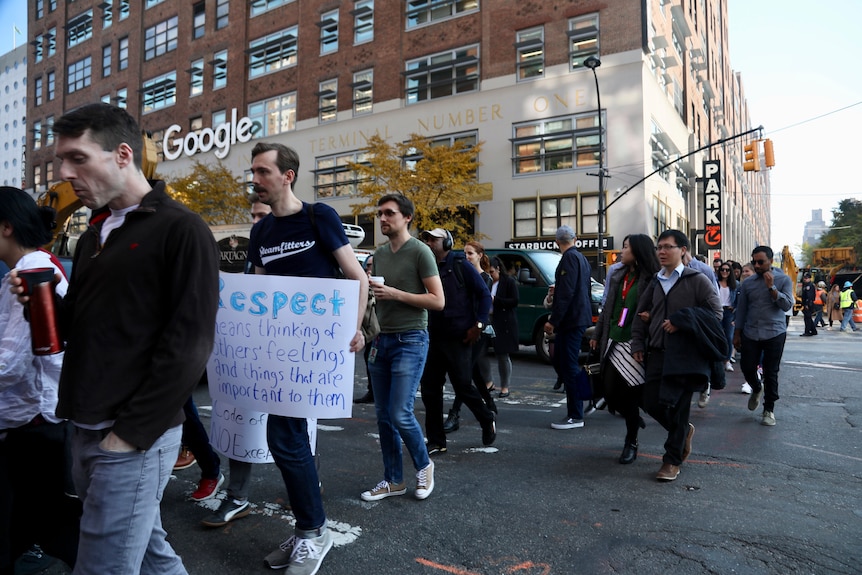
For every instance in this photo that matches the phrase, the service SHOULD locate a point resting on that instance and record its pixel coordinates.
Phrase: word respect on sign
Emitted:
(282, 345)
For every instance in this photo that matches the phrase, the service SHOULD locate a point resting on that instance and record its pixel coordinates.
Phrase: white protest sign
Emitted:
(239, 433)
(282, 345)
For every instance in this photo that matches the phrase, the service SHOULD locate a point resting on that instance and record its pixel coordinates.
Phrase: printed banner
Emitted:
(282, 345)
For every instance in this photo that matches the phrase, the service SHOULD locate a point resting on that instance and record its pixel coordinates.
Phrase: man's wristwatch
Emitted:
(773, 288)
(480, 325)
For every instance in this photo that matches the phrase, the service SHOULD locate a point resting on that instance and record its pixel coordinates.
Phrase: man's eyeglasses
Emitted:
(387, 213)
(664, 248)
(759, 262)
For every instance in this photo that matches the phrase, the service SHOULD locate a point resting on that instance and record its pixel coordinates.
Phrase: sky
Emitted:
(797, 60)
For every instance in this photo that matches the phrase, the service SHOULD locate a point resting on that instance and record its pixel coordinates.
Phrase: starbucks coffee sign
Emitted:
(220, 137)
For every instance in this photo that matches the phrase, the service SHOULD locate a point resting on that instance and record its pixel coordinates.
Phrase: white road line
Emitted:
(824, 451)
(822, 365)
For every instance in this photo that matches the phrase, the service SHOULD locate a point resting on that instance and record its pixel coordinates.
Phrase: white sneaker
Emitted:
(308, 554)
(383, 490)
(704, 399)
(425, 481)
(746, 389)
(728, 366)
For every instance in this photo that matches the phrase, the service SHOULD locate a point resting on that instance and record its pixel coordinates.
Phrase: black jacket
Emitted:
(698, 343)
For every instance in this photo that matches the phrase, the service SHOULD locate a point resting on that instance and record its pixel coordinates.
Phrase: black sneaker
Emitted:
(489, 430)
(229, 510)
(367, 398)
(434, 449)
(453, 421)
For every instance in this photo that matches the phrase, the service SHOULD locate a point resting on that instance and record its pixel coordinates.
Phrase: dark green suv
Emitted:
(534, 272)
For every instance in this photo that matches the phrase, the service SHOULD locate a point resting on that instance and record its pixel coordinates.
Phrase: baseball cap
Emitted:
(806, 276)
(435, 233)
(821, 284)
(565, 234)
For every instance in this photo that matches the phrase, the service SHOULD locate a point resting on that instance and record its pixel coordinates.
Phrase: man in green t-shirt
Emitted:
(406, 284)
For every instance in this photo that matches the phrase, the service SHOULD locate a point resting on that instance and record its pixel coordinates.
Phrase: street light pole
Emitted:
(593, 62)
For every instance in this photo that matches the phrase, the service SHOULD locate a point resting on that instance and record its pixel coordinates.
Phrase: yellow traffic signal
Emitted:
(768, 153)
(752, 157)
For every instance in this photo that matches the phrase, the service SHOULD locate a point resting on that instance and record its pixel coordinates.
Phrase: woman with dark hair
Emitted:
(727, 295)
(35, 467)
(623, 377)
(504, 318)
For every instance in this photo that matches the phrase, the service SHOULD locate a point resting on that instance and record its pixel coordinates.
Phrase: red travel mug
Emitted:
(44, 335)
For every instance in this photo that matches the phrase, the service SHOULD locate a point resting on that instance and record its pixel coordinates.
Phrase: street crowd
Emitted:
(110, 414)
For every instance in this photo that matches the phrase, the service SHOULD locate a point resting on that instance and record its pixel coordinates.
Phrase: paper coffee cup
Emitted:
(377, 280)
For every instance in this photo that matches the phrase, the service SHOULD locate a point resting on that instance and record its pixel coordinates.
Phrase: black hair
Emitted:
(498, 264)
(109, 127)
(405, 205)
(678, 237)
(763, 250)
(731, 277)
(31, 224)
(285, 159)
(646, 263)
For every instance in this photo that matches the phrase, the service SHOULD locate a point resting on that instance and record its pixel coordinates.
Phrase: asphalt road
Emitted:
(751, 499)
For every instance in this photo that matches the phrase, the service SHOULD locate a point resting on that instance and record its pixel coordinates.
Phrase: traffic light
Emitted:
(768, 153)
(752, 157)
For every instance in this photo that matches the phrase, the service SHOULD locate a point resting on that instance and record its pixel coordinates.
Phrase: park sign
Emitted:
(712, 204)
(220, 137)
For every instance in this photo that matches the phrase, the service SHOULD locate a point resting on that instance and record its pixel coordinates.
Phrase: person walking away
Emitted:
(318, 228)
(761, 329)
(809, 294)
(504, 318)
(411, 287)
(727, 295)
(452, 332)
(848, 304)
(571, 314)
(37, 502)
(622, 376)
(670, 333)
(833, 305)
(144, 294)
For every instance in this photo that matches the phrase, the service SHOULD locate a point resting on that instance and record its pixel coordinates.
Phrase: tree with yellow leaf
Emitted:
(214, 193)
(440, 180)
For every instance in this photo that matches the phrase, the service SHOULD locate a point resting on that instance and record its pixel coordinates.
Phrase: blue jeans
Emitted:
(396, 364)
(727, 325)
(848, 319)
(288, 443)
(121, 527)
(567, 348)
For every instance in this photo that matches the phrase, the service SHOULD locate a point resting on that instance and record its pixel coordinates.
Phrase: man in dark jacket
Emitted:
(139, 319)
(809, 294)
(571, 315)
(671, 379)
(452, 332)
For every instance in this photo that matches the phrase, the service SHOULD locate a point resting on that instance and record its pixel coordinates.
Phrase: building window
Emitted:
(49, 170)
(219, 117)
(421, 12)
(530, 45)
(123, 53)
(259, 7)
(49, 130)
(79, 29)
(40, 8)
(37, 177)
(363, 21)
(196, 124)
(52, 5)
(151, 3)
(222, 10)
(556, 144)
(78, 75)
(467, 139)
(328, 32)
(37, 135)
(160, 92)
(589, 214)
(363, 92)
(37, 88)
(272, 52)
(219, 70)
(199, 18)
(274, 116)
(196, 80)
(106, 99)
(160, 39)
(107, 14)
(327, 100)
(122, 98)
(444, 74)
(539, 217)
(583, 39)
(51, 85)
(51, 37)
(124, 9)
(37, 48)
(661, 216)
(334, 178)
(106, 61)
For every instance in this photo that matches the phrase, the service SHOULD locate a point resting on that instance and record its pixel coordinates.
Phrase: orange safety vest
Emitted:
(818, 298)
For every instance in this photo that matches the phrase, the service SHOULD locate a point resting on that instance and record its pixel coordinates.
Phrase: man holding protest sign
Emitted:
(305, 240)
(406, 284)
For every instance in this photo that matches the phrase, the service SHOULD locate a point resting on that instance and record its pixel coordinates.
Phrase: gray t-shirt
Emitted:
(404, 270)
